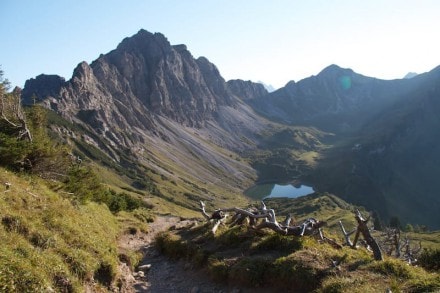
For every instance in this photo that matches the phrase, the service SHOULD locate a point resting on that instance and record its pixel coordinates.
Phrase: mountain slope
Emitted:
(336, 99)
(386, 157)
(155, 104)
(162, 116)
(398, 153)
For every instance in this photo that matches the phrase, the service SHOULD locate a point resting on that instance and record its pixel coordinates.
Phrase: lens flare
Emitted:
(345, 82)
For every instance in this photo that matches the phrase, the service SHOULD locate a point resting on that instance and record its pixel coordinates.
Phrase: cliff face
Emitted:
(154, 101)
(247, 90)
(150, 103)
(143, 78)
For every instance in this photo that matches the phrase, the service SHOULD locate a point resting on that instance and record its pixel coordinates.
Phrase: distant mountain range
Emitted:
(410, 75)
(373, 142)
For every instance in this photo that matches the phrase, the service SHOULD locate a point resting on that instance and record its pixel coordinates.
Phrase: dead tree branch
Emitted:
(362, 228)
(346, 235)
(12, 114)
(394, 245)
(309, 227)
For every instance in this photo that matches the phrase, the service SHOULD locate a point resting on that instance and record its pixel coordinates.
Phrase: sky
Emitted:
(272, 41)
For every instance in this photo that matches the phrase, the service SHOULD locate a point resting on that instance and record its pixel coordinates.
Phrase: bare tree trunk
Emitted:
(363, 229)
(12, 113)
(308, 227)
(346, 235)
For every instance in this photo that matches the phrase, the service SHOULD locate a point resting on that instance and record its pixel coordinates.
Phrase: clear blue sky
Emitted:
(273, 41)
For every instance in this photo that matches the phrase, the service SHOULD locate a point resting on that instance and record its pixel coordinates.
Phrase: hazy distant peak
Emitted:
(270, 88)
(335, 69)
(410, 75)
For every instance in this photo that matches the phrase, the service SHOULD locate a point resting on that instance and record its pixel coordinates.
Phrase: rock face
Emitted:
(337, 99)
(142, 78)
(42, 86)
(247, 90)
(155, 103)
(148, 98)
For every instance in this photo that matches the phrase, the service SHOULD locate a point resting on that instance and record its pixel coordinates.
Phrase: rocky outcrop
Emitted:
(42, 86)
(148, 101)
(246, 90)
(143, 77)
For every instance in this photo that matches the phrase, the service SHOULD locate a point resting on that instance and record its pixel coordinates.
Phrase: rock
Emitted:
(144, 268)
(145, 74)
(41, 86)
(195, 290)
(140, 274)
(187, 266)
(246, 90)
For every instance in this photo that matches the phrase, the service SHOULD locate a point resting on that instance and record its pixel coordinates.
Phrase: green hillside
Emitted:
(62, 216)
(266, 261)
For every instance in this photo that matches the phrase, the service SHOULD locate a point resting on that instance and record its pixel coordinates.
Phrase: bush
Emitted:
(218, 269)
(392, 267)
(279, 242)
(250, 272)
(430, 259)
(172, 246)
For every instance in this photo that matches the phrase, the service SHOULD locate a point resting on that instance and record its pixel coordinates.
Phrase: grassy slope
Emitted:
(179, 194)
(48, 242)
(263, 259)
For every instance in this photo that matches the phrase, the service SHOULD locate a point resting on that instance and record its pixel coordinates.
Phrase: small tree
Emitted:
(409, 228)
(395, 223)
(377, 222)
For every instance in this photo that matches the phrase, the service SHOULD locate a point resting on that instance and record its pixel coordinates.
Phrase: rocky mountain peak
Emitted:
(334, 69)
(146, 68)
(145, 79)
(246, 90)
(43, 85)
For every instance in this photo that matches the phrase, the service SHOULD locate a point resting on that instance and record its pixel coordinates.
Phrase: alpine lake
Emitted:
(271, 190)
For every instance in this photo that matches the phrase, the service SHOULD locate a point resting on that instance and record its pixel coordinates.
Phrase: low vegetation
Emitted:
(59, 224)
(60, 219)
(47, 242)
(242, 256)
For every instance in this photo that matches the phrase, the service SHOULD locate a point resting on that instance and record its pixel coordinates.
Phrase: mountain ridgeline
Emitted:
(149, 103)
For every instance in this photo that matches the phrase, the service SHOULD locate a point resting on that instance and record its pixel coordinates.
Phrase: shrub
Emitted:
(392, 267)
(430, 259)
(218, 269)
(250, 272)
(172, 246)
(279, 242)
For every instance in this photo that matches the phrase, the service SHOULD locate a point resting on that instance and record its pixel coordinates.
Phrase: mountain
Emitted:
(382, 153)
(163, 118)
(337, 99)
(410, 75)
(270, 88)
(399, 152)
(154, 104)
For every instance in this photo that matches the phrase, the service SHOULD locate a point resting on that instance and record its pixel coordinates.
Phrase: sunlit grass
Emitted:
(47, 242)
(244, 257)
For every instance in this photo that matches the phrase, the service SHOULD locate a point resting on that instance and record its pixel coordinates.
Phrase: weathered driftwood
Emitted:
(268, 219)
(394, 245)
(362, 228)
(411, 253)
(12, 114)
(346, 235)
(218, 216)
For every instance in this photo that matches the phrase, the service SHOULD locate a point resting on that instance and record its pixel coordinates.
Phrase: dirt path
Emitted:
(166, 275)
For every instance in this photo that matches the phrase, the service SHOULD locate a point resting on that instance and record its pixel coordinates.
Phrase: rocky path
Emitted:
(164, 275)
